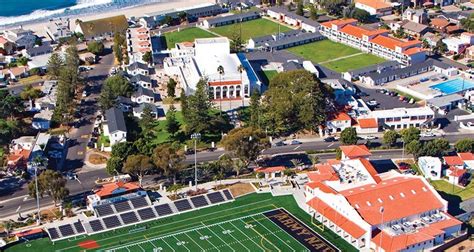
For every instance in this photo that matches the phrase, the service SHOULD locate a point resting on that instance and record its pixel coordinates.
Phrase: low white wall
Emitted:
(412, 92)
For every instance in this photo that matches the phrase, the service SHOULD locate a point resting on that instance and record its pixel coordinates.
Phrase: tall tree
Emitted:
(198, 109)
(95, 47)
(390, 137)
(138, 165)
(10, 105)
(51, 183)
(147, 57)
(118, 48)
(245, 143)
(415, 147)
(172, 124)
(313, 12)
(171, 87)
(349, 136)
(146, 122)
(55, 63)
(464, 145)
(107, 98)
(436, 147)
(183, 99)
(169, 159)
(299, 8)
(113, 87)
(410, 134)
(241, 70)
(255, 109)
(65, 97)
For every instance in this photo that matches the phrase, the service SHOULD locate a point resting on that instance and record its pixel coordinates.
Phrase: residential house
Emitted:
(354, 152)
(431, 38)
(468, 159)
(20, 38)
(230, 19)
(367, 126)
(114, 126)
(48, 101)
(38, 50)
(58, 29)
(419, 16)
(137, 68)
(375, 41)
(271, 172)
(470, 53)
(459, 44)
(37, 152)
(151, 20)
(377, 8)
(155, 111)
(283, 15)
(143, 95)
(6, 46)
(337, 122)
(124, 103)
(16, 73)
(103, 27)
(455, 17)
(138, 43)
(42, 120)
(141, 80)
(415, 29)
(431, 167)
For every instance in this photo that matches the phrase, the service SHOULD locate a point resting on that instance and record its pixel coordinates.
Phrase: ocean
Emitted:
(16, 12)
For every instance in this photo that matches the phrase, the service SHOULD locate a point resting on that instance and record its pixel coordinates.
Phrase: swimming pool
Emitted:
(453, 86)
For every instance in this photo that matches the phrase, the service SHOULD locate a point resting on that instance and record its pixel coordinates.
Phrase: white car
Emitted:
(427, 134)
(368, 137)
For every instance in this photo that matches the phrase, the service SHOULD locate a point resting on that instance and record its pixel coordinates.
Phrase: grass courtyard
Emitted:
(253, 28)
(188, 34)
(335, 56)
(446, 187)
(242, 225)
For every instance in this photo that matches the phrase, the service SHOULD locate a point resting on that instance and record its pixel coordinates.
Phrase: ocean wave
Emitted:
(81, 7)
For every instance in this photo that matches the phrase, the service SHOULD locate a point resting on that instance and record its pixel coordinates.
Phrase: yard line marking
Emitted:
(149, 241)
(263, 237)
(194, 241)
(212, 244)
(216, 236)
(246, 236)
(141, 248)
(168, 244)
(261, 224)
(230, 233)
(183, 244)
(297, 147)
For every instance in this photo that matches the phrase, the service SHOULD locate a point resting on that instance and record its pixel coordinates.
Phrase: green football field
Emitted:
(254, 222)
(186, 35)
(251, 29)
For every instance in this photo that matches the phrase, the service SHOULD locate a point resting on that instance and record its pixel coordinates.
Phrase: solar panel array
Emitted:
(104, 210)
(111, 221)
(163, 210)
(134, 211)
(199, 201)
(129, 217)
(182, 205)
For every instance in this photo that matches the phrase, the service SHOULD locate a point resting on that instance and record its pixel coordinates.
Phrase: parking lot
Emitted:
(384, 101)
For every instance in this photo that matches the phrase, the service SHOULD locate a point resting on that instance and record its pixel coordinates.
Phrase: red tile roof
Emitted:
(466, 156)
(143, 36)
(333, 161)
(117, 187)
(453, 160)
(439, 22)
(413, 50)
(324, 172)
(456, 172)
(321, 186)
(371, 169)
(340, 116)
(392, 43)
(400, 197)
(367, 123)
(355, 151)
(29, 232)
(375, 4)
(270, 169)
(340, 220)
(339, 22)
(359, 32)
(222, 83)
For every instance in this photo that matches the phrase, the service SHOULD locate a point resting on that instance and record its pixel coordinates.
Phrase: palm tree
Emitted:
(241, 69)
(296, 162)
(220, 70)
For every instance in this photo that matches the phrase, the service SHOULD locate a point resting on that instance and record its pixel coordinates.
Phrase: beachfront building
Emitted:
(101, 28)
(138, 43)
(376, 41)
(378, 211)
(299, 22)
(20, 38)
(153, 19)
(337, 122)
(230, 19)
(203, 61)
(58, 29)
(402, 118)
(114, 126)
(459, 44)
(431, 167)
(377, 8)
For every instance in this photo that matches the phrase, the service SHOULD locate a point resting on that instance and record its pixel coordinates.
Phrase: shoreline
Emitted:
(130, 11)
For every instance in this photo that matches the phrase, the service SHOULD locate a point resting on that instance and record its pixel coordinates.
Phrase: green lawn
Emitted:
(103, 140)
(355, 62)
(238, 225)
(267, 76)
(188, 34)
(323, 50)
(253, 28)
(446, 187)
(161, 134)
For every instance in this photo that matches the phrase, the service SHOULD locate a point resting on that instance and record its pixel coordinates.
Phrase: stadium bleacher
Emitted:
(104, 210)
(139, 202)
(79, 227)
(146, 213)
(163, 210)
(215, 197)
(227, 194)
(66, 230)
(111, 221)
(129, 217)
(199, 201)
(183, 205)
(122, 206)
(96, 225)
(53, 233)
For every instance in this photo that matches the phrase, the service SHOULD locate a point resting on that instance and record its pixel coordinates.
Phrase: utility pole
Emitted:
(38, 221)
(195, 136)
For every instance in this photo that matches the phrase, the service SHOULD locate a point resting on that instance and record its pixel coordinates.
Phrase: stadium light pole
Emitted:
(195, 136)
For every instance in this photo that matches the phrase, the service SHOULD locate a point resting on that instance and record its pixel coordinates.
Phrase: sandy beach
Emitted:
(137, 11)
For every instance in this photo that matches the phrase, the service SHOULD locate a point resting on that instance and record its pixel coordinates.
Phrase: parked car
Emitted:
(279, 143)
(368, 137)
(427, 134)
(372, 103)
(71, 175)
(330, 139)
(295, 142)
(363, 94)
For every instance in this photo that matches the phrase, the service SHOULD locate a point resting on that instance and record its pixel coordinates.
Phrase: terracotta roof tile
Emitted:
(466, 156)
(456, 172)
(359, 32)
(439, 22)
(270, 169)
(413, 50)
(392, 43)
(453, 160)
(375, 4)
(118, 187)
(355, 151)
(340, 116)
(339, 22)
(367, 123)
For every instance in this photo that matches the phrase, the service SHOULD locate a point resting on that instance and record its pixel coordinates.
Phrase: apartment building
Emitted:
(376, 42)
